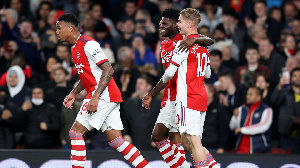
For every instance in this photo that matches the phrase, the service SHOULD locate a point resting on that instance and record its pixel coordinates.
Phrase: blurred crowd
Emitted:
(255, 64)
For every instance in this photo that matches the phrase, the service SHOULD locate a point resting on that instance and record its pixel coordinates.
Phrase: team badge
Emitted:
(78, 55)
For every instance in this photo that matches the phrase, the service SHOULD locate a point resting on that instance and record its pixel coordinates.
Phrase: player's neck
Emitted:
(74, 38)
(174, 34)
(192, 31)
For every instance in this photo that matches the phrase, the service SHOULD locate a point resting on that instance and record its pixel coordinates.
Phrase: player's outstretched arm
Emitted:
(107, 72)
(169, 73)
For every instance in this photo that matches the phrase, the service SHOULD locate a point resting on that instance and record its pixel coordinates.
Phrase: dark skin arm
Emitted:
(187, 43)
(107, 72)
(68, 101)
(147, 99)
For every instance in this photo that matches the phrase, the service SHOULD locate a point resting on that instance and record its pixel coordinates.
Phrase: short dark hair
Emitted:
(172, 13)
(46, 3)
(69, 18)
(149, 80)
(226, 74)
(272, 9)
(267, 78)
(61, 69)
(258, 90)
(214, 53)
(251, 48)
(294, 70)
(261, 1)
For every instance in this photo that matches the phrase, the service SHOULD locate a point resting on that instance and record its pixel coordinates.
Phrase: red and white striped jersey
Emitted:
(87, 55)
(192, 67)
(167, 47)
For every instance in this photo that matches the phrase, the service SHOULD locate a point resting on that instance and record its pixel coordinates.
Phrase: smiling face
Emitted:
(167, 27)
(183, 25)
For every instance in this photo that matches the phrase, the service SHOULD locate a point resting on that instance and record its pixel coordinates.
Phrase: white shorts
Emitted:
(107, 116)
(167, 116)
(190, 121)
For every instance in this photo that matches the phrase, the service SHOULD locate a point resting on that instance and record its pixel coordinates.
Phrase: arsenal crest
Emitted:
(78, 55)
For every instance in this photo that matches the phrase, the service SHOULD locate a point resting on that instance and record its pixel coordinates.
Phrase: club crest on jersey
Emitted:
(78, 55)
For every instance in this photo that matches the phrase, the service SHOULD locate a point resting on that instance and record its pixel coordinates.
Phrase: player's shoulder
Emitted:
(85, 39)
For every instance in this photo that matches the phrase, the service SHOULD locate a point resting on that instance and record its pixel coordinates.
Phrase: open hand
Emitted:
(68, 101)
(146, 101)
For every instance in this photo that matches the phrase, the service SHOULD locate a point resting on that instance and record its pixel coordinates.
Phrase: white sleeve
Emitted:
(235, 120)
(178, 56)
(169, 73)
(93, 50)
(208, 70)
(262, 126)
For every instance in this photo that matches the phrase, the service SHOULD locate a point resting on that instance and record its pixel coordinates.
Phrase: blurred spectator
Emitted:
(226, 48)
(289, 46)
(253, 65)
(275, 13)
(127, 75)
(255, 33)
(83, 8)
(11, 17)
(162, 6)
(295, 24)
(15, 83)
(7, 54)
(131, 8)
(46, 77)
(52, 18)
(97, 12)
(88, 22)
(20, 8)
(212, 15)
(216, 65)
(273, 27)
(42, 15)
(28, 42)
(48, 42)
(63, 53)
(231, 95)
(41, 120)
(139, 122)
(10, 119)
(145, 27)
(204, 30)
(232, 28)
(127, 30)
(272, 59)
(263, 83)
(68, 117)
(290, 11)
(223, 43)
(289, 101)
(143, 54)
(105, 40)
(251, 123)
(216, 126)
(290, 64)
(61, 89)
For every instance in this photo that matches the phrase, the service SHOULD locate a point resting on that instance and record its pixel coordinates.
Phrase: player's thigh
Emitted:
(113, 120)
(167, 116)
(190, 121)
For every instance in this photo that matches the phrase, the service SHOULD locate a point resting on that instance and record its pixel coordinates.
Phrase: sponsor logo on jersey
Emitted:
(79, 67)
(96, 52)
(78, 55)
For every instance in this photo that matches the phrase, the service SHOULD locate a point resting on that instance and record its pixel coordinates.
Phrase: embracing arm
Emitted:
(107, 72)
(204, 41)
(78, 88)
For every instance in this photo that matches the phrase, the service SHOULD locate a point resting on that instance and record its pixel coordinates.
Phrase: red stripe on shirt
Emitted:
(174, 63)
(102, 61)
